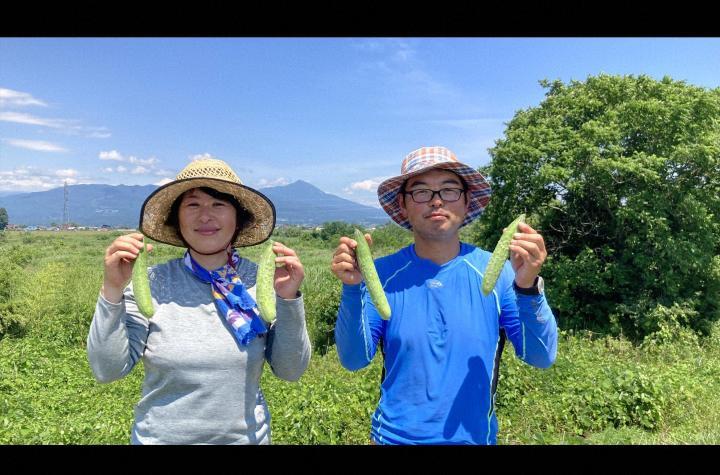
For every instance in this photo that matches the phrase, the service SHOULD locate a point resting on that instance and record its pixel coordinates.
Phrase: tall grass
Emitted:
(600, 391)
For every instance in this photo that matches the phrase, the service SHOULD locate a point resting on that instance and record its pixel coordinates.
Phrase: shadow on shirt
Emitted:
(472, 418)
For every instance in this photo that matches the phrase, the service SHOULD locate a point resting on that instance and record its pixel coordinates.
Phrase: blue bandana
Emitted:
(232, 300)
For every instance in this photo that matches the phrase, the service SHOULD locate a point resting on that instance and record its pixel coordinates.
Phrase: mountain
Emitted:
(119, 206)
(302, 203)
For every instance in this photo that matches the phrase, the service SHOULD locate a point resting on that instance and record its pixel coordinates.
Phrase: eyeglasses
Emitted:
(425, 195)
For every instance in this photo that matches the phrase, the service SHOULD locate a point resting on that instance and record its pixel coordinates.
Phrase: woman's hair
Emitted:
(242, 216)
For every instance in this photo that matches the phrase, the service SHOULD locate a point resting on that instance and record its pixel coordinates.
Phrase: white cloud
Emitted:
(111, 155)
(139, 161)
(265, 183)
(143, 166)
(411, 88)
(69, 127)
(8, 97)
(98, 132)
(35, 179)
(200, 156)
(139, 170)
(37, 145)
(22, 118)
(370, 184)
(163, 181)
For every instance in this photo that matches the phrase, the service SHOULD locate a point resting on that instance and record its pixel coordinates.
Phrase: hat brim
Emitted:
(156, 209)
(479, 192)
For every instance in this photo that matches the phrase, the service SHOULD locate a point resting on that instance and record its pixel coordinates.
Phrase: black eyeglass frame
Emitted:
(435, 192)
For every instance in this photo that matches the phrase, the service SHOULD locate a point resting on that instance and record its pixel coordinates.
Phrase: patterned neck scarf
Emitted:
(232, 300)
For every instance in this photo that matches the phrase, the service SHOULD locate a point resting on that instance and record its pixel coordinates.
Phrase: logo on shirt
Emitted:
(434, 284)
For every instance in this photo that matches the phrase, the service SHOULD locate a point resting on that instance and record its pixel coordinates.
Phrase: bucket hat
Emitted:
(424, 159)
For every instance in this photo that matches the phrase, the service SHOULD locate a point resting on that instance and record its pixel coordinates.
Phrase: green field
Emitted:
(601, 390)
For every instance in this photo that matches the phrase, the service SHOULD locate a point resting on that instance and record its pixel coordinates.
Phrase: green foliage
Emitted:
(389, 238)
(329, 405)
(13, 261)
(606, 385)
(49, 396)
(601, 389)
(332, 231)
(621, 175)
(3, 218)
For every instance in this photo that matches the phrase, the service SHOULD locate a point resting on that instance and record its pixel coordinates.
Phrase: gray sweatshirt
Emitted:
(201, 386)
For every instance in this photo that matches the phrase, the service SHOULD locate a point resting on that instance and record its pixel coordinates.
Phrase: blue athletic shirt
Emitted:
(441, 344)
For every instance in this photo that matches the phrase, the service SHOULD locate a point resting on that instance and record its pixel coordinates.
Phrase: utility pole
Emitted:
(66, 218)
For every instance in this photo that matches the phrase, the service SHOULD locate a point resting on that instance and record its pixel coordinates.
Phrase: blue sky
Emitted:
(340, 113)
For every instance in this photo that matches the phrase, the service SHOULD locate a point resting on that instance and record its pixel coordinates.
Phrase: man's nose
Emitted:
(436, 201)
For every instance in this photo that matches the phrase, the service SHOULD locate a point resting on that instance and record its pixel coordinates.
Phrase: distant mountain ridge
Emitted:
(119, 206)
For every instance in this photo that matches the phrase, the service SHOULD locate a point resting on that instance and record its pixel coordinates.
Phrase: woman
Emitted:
(204, 348)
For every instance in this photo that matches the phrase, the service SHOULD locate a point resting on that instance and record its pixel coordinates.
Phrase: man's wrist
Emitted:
(537, 288)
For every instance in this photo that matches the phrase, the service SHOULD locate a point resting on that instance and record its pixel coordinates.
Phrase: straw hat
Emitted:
(422, 160)
(214, 174)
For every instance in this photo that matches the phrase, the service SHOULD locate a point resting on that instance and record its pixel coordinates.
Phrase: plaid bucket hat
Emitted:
(215, 174)
(422, 160)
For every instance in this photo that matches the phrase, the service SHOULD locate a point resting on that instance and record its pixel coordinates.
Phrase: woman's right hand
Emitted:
(119, 260)
(344, 265)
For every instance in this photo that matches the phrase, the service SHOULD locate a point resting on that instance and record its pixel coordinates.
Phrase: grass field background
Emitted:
(601, 390)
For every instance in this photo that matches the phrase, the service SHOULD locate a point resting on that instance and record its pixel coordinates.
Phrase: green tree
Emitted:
(391, 237)
(3, 218)
(333, 230)
(621, 175)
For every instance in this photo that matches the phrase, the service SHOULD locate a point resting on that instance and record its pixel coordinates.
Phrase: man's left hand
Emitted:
(527, 255)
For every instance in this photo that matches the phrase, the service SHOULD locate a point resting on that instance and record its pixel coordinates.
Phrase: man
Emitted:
(443, 341)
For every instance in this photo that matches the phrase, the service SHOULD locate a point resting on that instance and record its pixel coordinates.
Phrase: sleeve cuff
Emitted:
(110, 305)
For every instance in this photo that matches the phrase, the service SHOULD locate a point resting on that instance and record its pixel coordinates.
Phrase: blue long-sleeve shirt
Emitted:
(441, 345)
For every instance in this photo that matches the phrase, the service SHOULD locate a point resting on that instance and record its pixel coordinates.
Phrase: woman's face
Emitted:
(206, 223)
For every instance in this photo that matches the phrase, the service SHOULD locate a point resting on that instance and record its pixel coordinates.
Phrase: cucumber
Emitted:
(369, 273)
(141, 284)
(499, 256)
(265, 287)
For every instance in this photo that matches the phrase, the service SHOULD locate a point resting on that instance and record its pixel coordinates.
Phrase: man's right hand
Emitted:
(344, 265)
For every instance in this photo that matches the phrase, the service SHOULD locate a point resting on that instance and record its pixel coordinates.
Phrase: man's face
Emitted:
(436, 219)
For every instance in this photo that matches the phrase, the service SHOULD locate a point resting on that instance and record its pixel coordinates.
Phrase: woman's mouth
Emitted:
(207, 231)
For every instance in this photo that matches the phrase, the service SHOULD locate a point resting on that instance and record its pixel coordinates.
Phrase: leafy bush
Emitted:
(13, 260)
(332, 231)
(621, 175)
(389, 238)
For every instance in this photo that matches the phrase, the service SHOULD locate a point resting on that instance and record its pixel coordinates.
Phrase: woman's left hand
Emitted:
(289, 277)
(527, 255)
